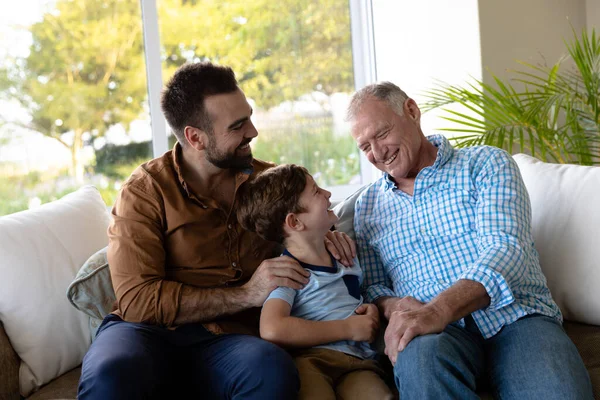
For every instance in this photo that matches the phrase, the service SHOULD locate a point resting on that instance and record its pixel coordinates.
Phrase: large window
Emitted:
(293, 60)
(74, 103)
(72, 99)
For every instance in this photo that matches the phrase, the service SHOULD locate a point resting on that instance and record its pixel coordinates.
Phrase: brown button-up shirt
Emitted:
(163, 237)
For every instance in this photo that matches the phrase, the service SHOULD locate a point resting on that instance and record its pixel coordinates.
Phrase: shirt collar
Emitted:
(312, 267)
(444, 154)
(445, 150)
(177, 158)
(241, 177)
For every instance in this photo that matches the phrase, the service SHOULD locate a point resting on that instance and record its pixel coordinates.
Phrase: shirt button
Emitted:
(233, 264)
(422, 230)
(229, 226)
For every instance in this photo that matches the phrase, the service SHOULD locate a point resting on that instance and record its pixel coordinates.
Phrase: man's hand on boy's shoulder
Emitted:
(341, 247)
(272, 273)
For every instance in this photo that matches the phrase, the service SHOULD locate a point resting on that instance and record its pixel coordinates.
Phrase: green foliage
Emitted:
(17, 190)
(11, 193)
(555, 117)
(85, 72)
(111, 159)
(332, 159)
(279, 50)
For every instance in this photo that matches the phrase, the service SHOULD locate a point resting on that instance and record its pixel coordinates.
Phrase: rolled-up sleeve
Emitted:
(503, 223)
(136, 257)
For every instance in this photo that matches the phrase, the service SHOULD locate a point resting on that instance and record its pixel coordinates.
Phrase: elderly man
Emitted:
(188, 278)
(444, 237)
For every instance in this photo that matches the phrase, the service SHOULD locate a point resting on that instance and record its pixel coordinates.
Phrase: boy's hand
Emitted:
(341, 247)
(365, 324)
(271, 273)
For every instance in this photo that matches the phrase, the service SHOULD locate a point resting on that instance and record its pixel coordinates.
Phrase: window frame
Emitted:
(363, 59)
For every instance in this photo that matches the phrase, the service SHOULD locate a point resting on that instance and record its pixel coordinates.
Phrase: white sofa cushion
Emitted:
(42, 250)
(345, 213)
(565, 202)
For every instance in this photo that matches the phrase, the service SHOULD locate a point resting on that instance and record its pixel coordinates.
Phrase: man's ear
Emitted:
(293, 223)
(411, 110)
(197, 138)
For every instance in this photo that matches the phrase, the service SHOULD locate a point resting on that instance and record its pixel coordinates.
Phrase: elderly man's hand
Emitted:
(411, 318)
(341, 247)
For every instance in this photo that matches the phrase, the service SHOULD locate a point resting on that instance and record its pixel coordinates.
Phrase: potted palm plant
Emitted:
(553, 115)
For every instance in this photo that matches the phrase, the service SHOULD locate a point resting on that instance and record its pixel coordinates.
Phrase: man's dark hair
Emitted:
(182, 99)
(265, 201)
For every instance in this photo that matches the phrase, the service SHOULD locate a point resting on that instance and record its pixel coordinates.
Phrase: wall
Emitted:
(421, 41)
(592, 8)
(417, 43)
(527, 30)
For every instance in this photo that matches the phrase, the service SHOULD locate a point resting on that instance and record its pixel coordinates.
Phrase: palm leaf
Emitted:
(553, 115)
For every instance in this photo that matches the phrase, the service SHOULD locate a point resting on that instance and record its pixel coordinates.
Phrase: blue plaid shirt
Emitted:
(468, 218)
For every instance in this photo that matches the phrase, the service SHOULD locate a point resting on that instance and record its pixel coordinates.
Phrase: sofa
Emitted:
(55, 282)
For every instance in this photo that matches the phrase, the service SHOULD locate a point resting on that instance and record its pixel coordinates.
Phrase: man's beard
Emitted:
(227, 161)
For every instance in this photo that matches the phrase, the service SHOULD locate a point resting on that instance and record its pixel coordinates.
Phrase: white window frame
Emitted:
(364, 63)
(158, 124)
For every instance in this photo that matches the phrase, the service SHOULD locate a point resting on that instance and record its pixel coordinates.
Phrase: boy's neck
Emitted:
(309, 250)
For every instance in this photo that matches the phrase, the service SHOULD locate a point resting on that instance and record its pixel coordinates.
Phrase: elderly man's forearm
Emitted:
(460, 300)
(387, 305)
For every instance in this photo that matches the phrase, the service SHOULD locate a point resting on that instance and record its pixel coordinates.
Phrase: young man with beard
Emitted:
(188, 279)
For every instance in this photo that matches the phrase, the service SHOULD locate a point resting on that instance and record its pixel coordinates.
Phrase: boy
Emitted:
(326, 321)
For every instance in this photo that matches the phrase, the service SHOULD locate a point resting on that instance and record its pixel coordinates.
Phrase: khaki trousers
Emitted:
(329, 375)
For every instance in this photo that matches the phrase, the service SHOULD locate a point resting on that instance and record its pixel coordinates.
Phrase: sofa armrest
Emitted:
(9, 365)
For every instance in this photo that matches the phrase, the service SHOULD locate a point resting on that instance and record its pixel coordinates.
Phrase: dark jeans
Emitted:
(139, 361)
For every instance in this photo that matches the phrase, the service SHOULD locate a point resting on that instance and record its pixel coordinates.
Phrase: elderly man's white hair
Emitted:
(384, 91)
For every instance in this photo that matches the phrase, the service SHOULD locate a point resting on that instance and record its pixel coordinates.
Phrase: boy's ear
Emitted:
(292, 222)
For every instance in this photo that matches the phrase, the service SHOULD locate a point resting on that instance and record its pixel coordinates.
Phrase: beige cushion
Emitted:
(63, 388)
(565, 203)
(42, 250)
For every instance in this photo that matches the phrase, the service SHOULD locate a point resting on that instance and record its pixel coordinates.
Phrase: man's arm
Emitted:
(409, 317)
(503, 224)
(277, 326)
(458, 301)
(136, 258)
(204, 305)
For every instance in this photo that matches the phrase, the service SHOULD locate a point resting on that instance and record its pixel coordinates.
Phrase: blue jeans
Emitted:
(140, 361)
(532, 358)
